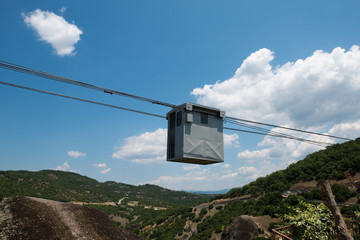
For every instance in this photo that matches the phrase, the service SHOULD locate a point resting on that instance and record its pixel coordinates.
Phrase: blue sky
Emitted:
(291, 63)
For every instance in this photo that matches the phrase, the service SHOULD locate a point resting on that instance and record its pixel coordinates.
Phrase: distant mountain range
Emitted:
(223, 191)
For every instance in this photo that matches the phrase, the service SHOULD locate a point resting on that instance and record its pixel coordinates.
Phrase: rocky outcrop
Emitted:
(34, 218)
(243, 227)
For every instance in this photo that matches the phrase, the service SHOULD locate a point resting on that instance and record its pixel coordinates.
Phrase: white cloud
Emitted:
(155, 159)
(191, 167)
(230, 140)
(278, 153)
(319, 90)
(227, 165)
(76, 154)
(191, 180)
(254, 177)
(105, 171)
(246, 170)
(147, 147)
(254, 154)
(209, 178)
(264, 168)
(62, 10)
(289, 150)
(55, 30)
(319, 93)
(66, 167)
(348, 130)
(230, 175)
(240, 172)
(100, 165)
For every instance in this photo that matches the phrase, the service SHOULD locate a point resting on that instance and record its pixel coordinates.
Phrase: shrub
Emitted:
(341, 193)
(310, 221)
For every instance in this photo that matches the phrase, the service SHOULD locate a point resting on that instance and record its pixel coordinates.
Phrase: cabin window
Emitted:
(171, 136)
(179, 118)
(204, 118)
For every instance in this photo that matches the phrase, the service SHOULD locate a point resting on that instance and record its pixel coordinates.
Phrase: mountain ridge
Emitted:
(221, 191)
(67, 186)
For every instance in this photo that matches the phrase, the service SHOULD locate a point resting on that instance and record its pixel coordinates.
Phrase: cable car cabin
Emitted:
(195, 134)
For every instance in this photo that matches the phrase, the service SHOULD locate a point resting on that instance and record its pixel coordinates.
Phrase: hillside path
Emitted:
(66, 216)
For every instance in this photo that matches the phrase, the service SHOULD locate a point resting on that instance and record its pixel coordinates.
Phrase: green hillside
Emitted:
(266, 197)
(68, 186)
(158, 213)
(330, 163)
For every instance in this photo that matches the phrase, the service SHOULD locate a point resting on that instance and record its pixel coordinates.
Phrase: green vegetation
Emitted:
(330, 163)
(115, 210)
(67, 186)
(170, 224)
(310, 221)
(55, 185)
(350, 210)
(270, 204)
(351, 215)
(315, 221)
(267, 199)
(314, 194)
(341, 193)
(138, 206)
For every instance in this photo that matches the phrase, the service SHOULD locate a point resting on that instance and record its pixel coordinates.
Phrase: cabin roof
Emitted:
(190, 106)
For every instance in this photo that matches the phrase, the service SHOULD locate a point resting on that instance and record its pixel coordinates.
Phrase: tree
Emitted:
(341, 228)
(310, 221)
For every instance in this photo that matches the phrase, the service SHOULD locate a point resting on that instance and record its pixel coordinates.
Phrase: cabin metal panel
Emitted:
(195, 134)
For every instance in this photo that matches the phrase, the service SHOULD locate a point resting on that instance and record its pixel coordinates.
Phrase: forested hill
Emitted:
(330, 163)
(68, 186)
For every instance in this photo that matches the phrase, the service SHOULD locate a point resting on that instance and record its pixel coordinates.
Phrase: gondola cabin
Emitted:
(195, 134)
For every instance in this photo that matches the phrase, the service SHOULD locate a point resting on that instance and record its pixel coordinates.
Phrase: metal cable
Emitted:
(38, 73)
(287, 128)
(80, 99)
(271, 132)
(268, 133)
(317, 143)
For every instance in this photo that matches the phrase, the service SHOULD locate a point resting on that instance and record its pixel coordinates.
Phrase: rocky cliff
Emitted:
(35, 218)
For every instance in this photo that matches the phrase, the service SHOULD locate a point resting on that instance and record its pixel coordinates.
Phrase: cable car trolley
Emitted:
(195, 134)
